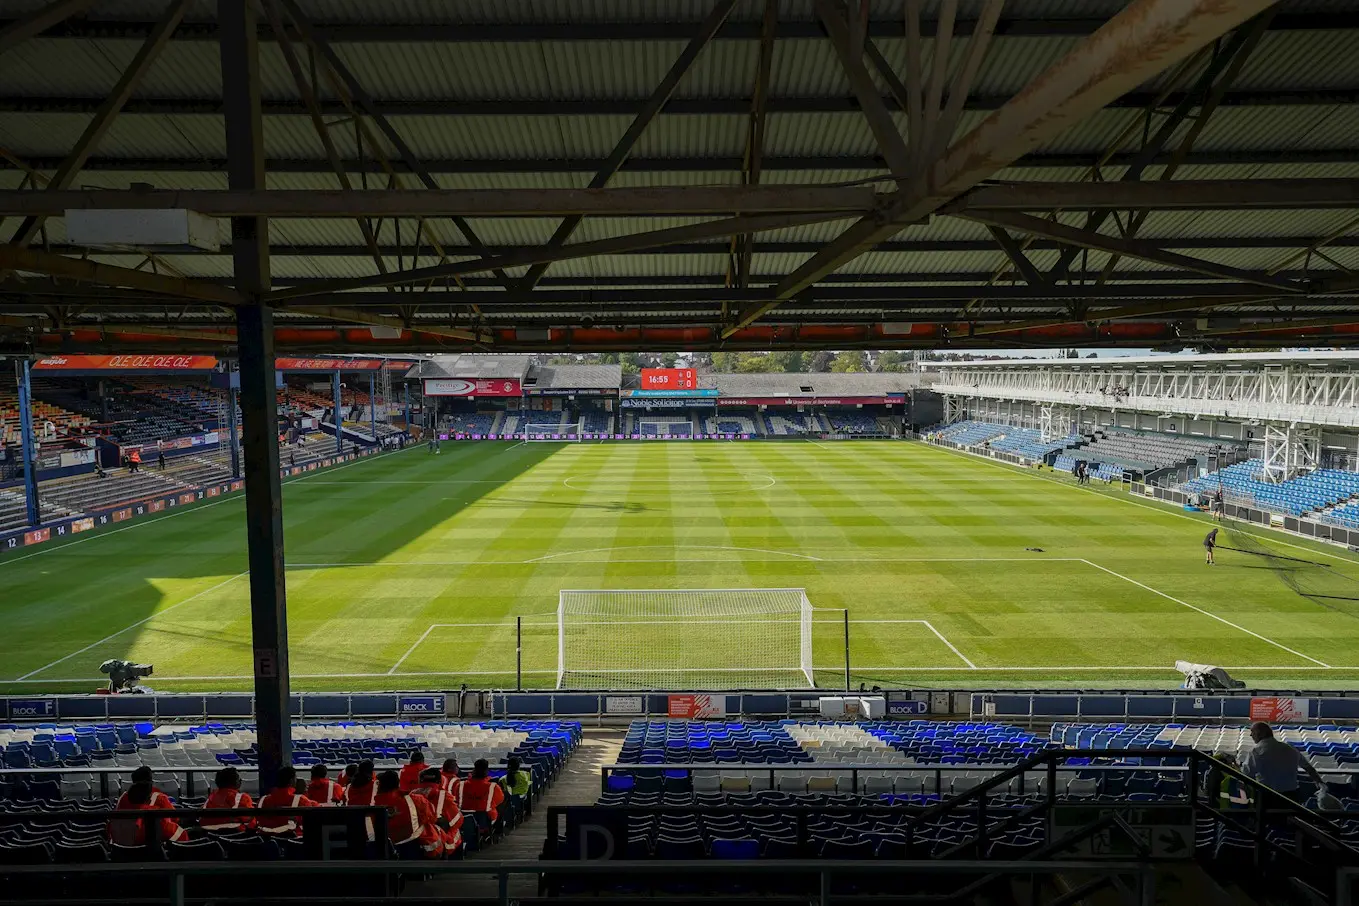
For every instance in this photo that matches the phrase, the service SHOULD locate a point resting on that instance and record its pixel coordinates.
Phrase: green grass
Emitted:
(388, 556)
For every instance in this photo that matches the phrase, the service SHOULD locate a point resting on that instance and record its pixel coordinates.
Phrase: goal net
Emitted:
(552, 432)
(757, 638)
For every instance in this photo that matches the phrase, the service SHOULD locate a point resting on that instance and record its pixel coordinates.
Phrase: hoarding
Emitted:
(473, 387)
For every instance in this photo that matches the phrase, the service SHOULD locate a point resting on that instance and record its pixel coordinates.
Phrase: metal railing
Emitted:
(819, 877)
(1316, 845)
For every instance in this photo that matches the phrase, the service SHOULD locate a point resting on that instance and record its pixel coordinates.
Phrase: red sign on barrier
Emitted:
(696, 706)
(214, 492)
(156, 506)
(237, 485)
(37, 536)
(122, 515)
(187, 498)
(82, 525)
(1275, 710)
(327, 364)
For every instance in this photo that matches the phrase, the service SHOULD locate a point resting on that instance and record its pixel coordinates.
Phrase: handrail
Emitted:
(824, 870)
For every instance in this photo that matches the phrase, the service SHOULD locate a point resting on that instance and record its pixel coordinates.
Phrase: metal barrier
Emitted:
(716, 876)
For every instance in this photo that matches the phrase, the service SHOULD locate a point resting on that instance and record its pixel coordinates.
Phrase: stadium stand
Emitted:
(1029, 443)
(731, 424)
(788, 424)
(970, 433)
(597, 422)
(1315, 491)
(73, 770)
(62, 421)
(471, 423)
(852, 423)
(1145, 451)
(662, 426)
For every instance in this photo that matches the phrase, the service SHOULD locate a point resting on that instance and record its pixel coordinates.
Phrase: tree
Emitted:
(608, 358)
(754, 363)
(821, 361)
(669, 359)
(631, 362)
(724, 362)
(849, 362)
(892, 361)
(788, 362)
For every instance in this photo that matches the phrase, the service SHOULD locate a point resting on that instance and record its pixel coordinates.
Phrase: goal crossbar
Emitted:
(534, 433)
(659, 638)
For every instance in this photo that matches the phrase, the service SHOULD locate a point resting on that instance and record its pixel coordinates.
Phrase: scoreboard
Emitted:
(669, 379)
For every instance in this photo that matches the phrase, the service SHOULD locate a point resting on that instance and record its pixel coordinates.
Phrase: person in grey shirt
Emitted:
(1275, 763)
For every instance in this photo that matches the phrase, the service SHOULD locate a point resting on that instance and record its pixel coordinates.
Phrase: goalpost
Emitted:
(757, 638)
(553, 432)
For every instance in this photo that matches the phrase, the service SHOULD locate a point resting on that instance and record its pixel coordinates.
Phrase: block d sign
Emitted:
(32, 708)
(417, 705)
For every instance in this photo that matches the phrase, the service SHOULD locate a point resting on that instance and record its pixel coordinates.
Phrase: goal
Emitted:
(553, 432)
(712, 638)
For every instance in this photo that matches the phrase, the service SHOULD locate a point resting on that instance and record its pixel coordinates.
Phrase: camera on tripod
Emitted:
(124, 675)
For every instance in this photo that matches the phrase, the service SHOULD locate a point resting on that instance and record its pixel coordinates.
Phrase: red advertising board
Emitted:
(37, 536)
(669, 379)
(122, 515)
(327, 364)
(473, 387)
(1279, 710)
(188, 498)
(696, 706)
(156, 506)
(82, 525)
(126, 363)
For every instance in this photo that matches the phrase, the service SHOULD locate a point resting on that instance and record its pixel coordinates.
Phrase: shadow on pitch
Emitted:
(70, 596)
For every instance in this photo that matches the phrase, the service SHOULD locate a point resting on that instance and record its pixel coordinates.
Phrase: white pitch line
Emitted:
(153, 616)
(1208, 613)
(411, 650)
(702, 547)
(951, 646)
(1166, 510)
(826, 668)
(190, 508)
(546, 559)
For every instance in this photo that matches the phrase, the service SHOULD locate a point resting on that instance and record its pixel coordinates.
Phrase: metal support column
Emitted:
(406, 389)
(238, 43)
(372, 405)
(233, 432)
(338, 417)
(28, 448)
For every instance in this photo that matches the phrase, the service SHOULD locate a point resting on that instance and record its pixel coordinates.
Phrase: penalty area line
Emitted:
(1208, 613)
(951, 646)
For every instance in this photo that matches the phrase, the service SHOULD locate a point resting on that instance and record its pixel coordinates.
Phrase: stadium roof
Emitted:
(687, 173)
(1311, 358)
(577, 377)
(472, 367)
(809, 385)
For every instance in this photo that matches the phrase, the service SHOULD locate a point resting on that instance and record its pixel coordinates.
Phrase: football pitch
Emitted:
(410, 570)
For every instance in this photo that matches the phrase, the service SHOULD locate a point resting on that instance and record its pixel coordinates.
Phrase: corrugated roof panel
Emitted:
(675, 136)
(471, 70)
(1301, 59)
(514, 137)
(924, 262)
(713, 265)
(1191, 224)
(809, 134)
(46, 68)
